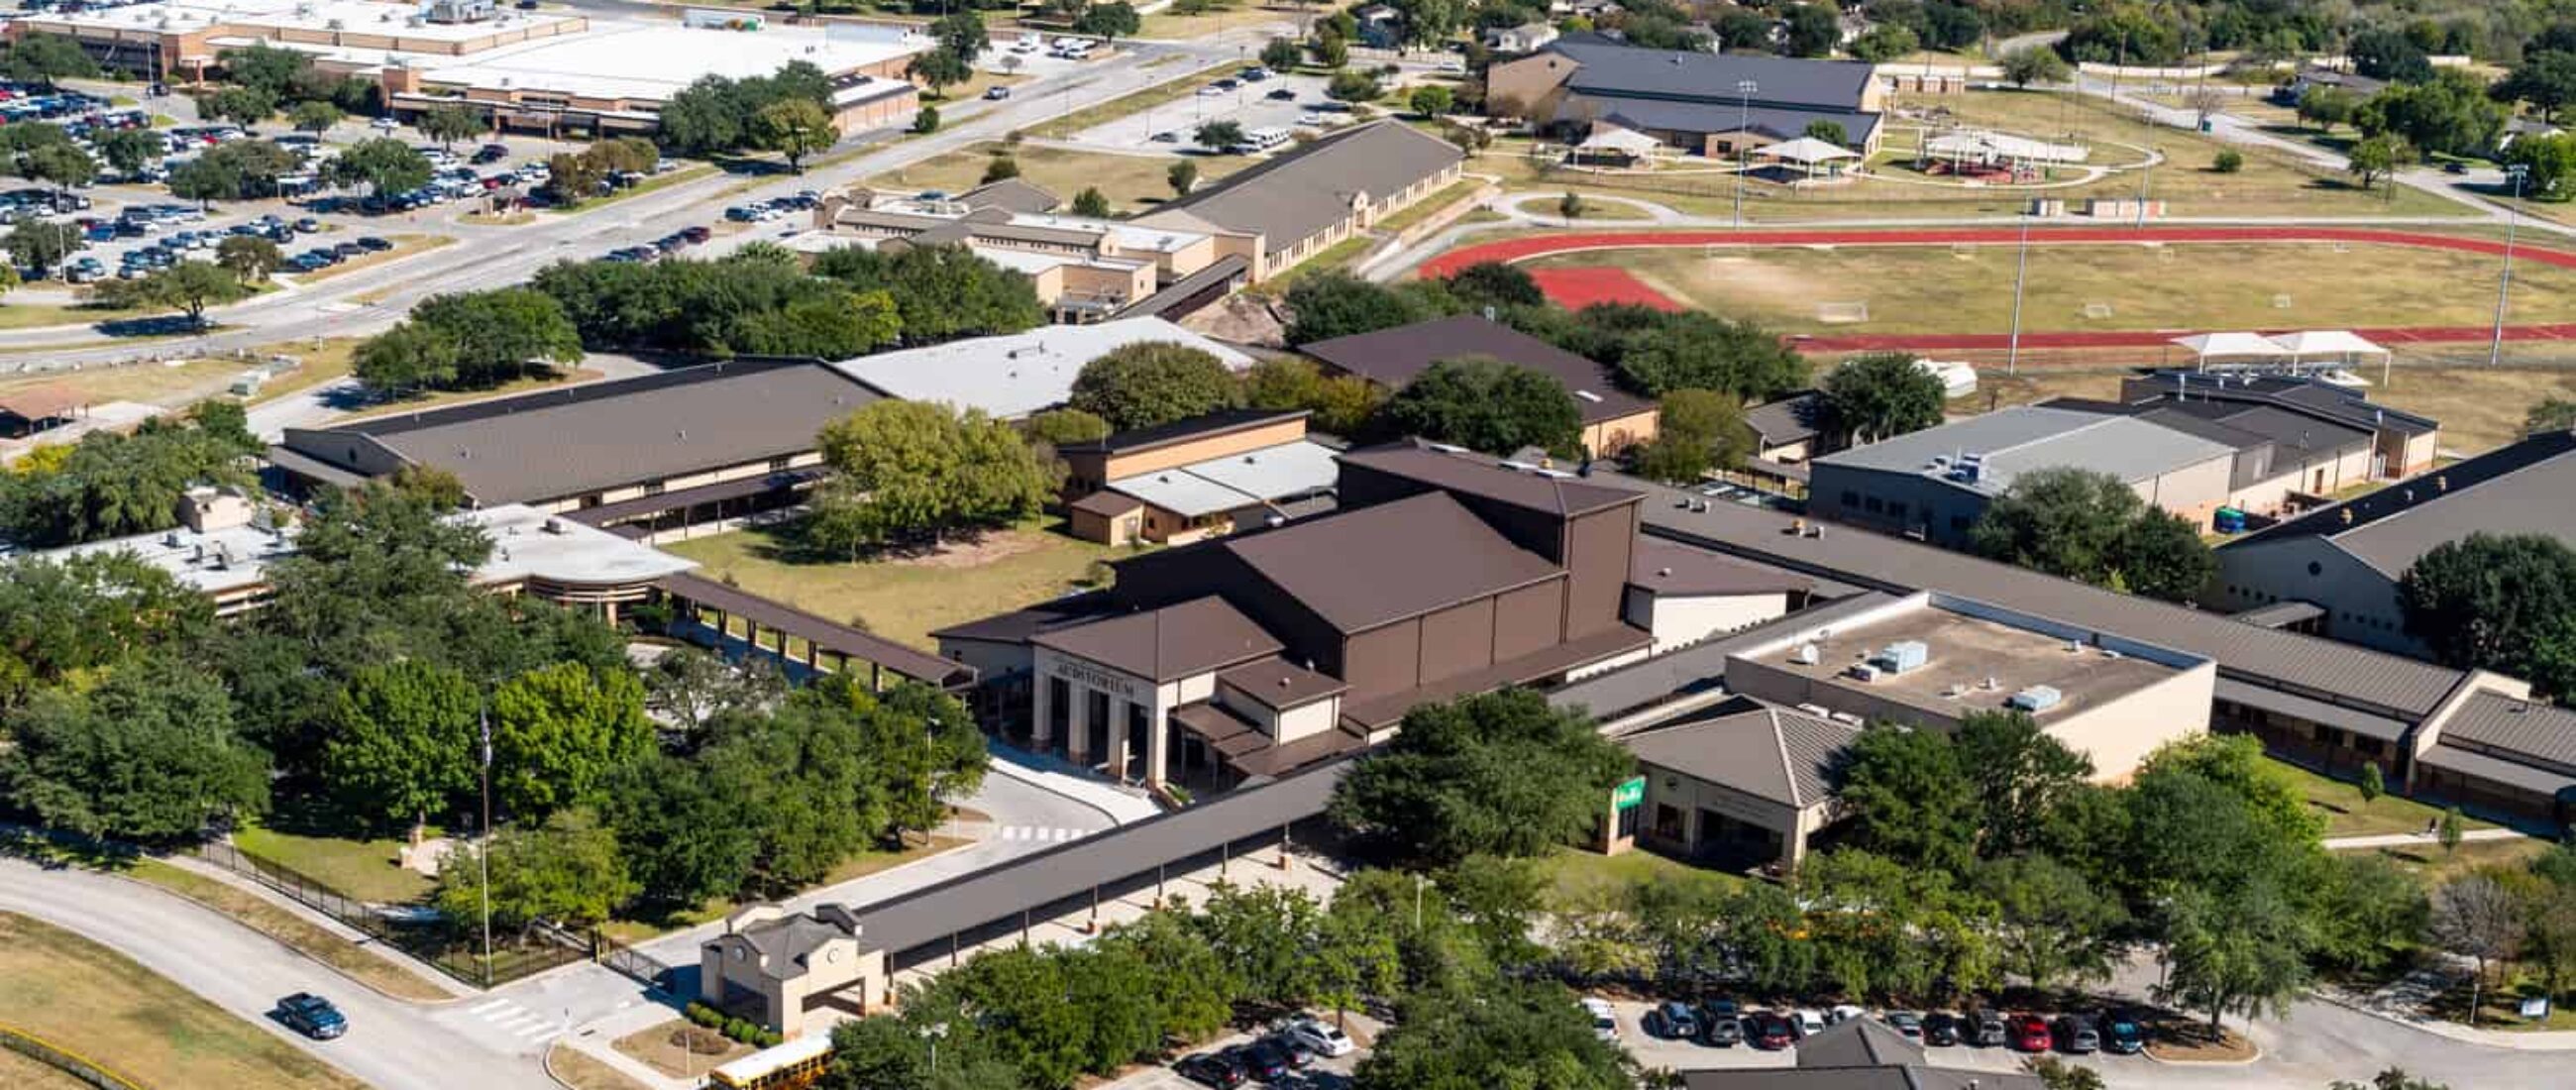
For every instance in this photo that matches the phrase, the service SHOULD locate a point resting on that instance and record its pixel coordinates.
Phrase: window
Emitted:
(1874, 505)
(652, 488)
(1851, 499)
(779, 465)
(1896, 510)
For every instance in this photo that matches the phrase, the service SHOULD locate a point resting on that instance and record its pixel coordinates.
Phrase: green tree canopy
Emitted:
(1149, 383)
(912, 471)
(2090, 526)
(940, 293)
(1487, 405)
(566, 871)
(1880, 395)
(2497, 602)
(1499, 773)
(1513, 1035)
(557, 733)
(149, 754)
(385, 165)
(403, 743)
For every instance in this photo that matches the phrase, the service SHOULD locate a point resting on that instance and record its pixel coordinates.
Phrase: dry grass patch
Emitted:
(1132, 182)
(680, 1050)
(581, 1071)
(311, 939)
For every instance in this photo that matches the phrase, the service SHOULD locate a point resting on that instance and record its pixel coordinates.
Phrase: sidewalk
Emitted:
(597, 1040)
(1121, 807)
(2408, 840)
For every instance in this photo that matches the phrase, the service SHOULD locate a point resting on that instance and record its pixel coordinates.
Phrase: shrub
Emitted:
(740, 1030)
(2229, 161)
(704, 1015)
(927, 120)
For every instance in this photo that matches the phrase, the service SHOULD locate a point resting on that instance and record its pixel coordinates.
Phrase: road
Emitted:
(390, 1044)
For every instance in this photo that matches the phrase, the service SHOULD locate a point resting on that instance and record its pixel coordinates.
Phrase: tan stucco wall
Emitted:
(1113, 467)
(1611, 436)
(2119, 734)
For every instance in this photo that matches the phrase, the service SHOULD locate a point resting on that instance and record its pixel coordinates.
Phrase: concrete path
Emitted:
(2410, 840)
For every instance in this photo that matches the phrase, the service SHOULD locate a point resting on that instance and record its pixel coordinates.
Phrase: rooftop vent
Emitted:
(1588, 395)
(2109, 653)
(556, 526)
(1990, 684)
(1805, 655)
(1903, 656)
(2037, 698)
(2073, 646)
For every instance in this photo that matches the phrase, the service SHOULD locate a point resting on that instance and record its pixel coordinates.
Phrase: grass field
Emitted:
(363, 869)
(1935, 289)
(576, 1069)
(1575, 875)
(2346, 815)
(92, 1000)
(2436, 866)
(314, 941)
(1131, 182)
(2480, 408)
(20, 1073)
(903, 599)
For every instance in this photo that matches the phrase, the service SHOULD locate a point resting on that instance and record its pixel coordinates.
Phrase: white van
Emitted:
(1262, 139)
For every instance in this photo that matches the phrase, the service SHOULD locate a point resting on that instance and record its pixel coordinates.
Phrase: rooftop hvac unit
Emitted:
(171, 539)
(2037, 698)
(1817, 710)
(1847, 719)
(2073, 646)
(556, 526)
(1955, 691)
(1991, 684)
(1903, 655)
(1805, 655)
(1863, 672)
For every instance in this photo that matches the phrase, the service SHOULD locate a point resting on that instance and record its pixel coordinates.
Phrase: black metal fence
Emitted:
(433, 942)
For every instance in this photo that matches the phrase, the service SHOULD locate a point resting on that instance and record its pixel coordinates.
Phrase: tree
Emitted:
(1183, 177)
(385, 165)
(557, 733)
(574, 178)
(2088, 526)
(44, 58)
(249, 257)
(1091, 203)
(566, 871)
(449, 124)
(1336, 304)
(189, 287)
(2035, 65)
(313, 117)
(2505, 603)
(2227, 161)
(926, 119)
(2377, 157)
(1495, 284)
(1352, 86)
(1909, 798)
(2162, 556)
(939, 70)
(62, 164)
(1830, 132)
(1430, 100)
(1513, 1034)
(1813, 30)
(1150, 383)
(39, 245)
(2548, 162)
(1282, 54)
(1111, 21)
(206, 179)
(128, 151)
(940, 293)
(2448, 831)
(2551, 413)
(1501, 773)
(1342, 405)
(1059, 427)
(1700, 430)
(1487, 405)
(2057, 1074)
(2372, 784)
(501, 334)
(692, 688)
(961, 33)
(1219, 135)
(403, 742)
(405, 359)
(1881, 395)
(1665, 352)
(2546, 80)
(243, 106)
(2477, 918)
(2394, 1078)
(2384, 53)
(2020, 777)
(112, 484)
(1331, 50)
(150, 754)
(905, 470)
(794, 128)
(2240, 954)
(1882, 43)
(2326, 107)
(2055, 926)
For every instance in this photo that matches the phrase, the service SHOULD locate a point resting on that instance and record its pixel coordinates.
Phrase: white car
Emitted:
(1605, 1023)
(1843, 1012)
(1321, 1039)
(1809, 1022)
(384, 124)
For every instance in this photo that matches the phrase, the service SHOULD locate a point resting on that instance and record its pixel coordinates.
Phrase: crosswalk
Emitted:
(1041, 833)
(510, 1018)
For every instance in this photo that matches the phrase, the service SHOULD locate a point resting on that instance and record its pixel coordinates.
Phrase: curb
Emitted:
(426, 1004)
(2446, 1034)
(2258, 1057)
(1015, 772)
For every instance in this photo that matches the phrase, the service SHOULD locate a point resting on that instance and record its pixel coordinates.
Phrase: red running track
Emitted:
(1583, 286)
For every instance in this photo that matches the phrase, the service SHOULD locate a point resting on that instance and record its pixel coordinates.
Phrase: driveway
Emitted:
(390, 1044)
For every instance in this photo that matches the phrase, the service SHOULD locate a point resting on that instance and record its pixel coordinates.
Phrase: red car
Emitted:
(2030, 1033)
(1769, 1031)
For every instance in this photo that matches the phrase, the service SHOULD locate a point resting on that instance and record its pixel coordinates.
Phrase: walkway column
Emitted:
(1118, 739)
(1041, 729)
(1077, 724)
(1158, 748)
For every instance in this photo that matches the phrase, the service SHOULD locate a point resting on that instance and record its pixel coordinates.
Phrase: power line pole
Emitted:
(2504, 280)
(2021, 275)
(483, 857)
(1744, 89)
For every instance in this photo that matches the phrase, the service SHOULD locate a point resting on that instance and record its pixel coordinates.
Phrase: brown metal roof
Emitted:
(45, 402)
(1780, 754)
(1107, 504)
(828, 635)
(1361, 569)
(2506, 726)
(597, 436)
(1279, 684)
(1022, 625)
(1393, 358)
(1011, 195)
(1664, 567)
(1192, 429)
(1167, 644)
(1477, 475)
(1789, 418)
(1299, 194)
(1540, 665)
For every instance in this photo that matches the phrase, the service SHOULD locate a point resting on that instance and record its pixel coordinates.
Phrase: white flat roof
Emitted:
(354, 16)
(1013, 376)
(655, 60)
(1028, 262)
(1280, 471)
(215, 562)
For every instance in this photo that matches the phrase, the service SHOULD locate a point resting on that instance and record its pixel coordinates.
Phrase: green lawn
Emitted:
(659, 181)
(1133, 183)
(1575, 874)
(2436, 866)
(904, 598)
(363, 869)
(2346, 815)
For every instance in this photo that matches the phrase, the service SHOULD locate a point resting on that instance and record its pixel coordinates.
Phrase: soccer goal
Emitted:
(2280, 302)
(2097, 311)
(1843, 313)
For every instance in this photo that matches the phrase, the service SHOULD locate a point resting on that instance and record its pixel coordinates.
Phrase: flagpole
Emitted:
(483, 858)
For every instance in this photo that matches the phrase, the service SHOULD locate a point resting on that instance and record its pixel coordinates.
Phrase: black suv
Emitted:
(1222, 1070)
(312, 1016)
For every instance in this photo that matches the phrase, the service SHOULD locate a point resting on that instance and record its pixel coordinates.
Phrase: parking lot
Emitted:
(1251, 104)
(1657, 1052)
(1324, 1073)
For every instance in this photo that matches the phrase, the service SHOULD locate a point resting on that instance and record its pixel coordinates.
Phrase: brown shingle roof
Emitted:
(1167, 644)
(42, 402)
(1361, 569)
(1393, 358)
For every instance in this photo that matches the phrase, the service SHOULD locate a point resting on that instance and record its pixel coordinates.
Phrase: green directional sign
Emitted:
(1628, 794)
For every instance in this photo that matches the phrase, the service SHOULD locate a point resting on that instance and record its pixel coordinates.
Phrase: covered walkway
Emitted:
(828, 645)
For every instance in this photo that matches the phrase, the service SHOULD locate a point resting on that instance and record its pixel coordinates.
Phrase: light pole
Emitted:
(2021, 275)
(1744, 89)
(933, 1033)
(2504, 280)
(483, 856)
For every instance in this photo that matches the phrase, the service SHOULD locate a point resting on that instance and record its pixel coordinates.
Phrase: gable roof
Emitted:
(1788, 418)
(1766, 751)
(1167, 644)
(1617, 68)
(1294, 196)
(1858, 1042)
(2025, 438)
(1662, 567)
(2521, 488)
(589, 438)
(2532, 729)
(1189, 429)
(2303, 395)
(1361, 569)
(1393, 358)
(1010, 195)
(1455, 470)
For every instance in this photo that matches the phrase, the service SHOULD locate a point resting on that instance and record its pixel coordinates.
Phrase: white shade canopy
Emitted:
(2327, 342)
(1807, 150)
(2232, 346)
(1607, 137)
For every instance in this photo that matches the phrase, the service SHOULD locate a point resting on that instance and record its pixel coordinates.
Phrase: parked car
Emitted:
(1906, 1022)
(2075, 1034)
(698, 234)
(491, 153)
(996, 93)
(1807, 1021)
(1840, 1013)
(1267, 1060)
(1605, 1022)
(1769, 1031)
(312, 1016)
(384, 124)
(1282, 94)
(1322, 1039)
(2029, 1033)
(1719, 1024)
(2123, 1032)
(1990, 1030)
(1222, 1070)
(372, 242)
(1672, 1021)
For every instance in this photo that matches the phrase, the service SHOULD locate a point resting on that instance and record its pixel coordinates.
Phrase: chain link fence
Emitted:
(434, 942)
